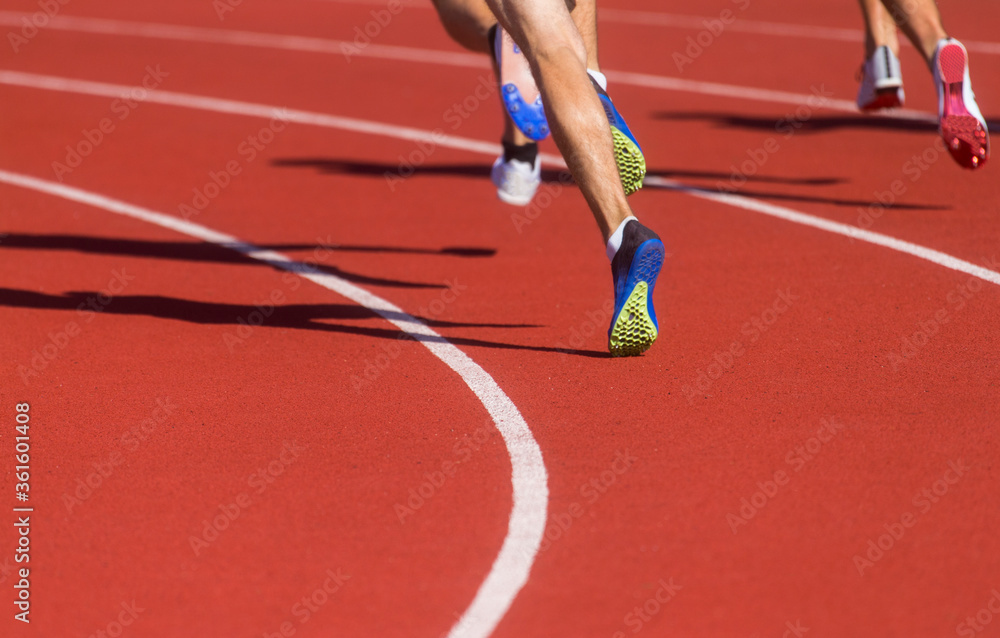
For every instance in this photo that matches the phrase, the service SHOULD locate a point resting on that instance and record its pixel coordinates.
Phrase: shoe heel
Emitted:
(634, 327)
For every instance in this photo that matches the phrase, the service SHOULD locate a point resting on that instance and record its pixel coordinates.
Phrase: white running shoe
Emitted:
(963, 128)
(881, 82)
(516, 181)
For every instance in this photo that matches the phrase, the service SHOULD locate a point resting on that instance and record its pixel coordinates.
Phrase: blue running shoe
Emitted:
(520, 94)
(634, 269)
(628, 154)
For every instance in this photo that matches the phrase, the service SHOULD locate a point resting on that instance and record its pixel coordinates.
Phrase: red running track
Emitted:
(648, 460)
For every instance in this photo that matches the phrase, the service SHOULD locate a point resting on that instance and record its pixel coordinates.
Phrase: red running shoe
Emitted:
(963, 128)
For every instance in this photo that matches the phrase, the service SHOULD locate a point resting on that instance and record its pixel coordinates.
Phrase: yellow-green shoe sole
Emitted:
(631, 162)
(634, 331)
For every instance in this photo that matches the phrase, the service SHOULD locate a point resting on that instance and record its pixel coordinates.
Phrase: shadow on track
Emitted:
(293, 316)
(482, 171)
(381, 170)
(817, 199)
(210, 253)
(764, 179)
(814, 124)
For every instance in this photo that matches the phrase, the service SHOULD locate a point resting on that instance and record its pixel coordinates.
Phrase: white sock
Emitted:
(599, 77)
(616, 237)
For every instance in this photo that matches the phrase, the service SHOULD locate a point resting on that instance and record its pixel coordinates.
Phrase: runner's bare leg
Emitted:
(880, 28)
(585, 18)
(920, 20)
(546, 32)
(468, 22)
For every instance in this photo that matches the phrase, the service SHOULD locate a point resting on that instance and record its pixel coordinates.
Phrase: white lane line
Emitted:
(160, 31)
(760, 27)
(529, 479)
(250, 109)
(852, 232)
(427, 56)
(653, 18)
(818, 100)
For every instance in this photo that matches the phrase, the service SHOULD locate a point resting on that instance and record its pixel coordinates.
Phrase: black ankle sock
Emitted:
(491, 38)
(523, 153)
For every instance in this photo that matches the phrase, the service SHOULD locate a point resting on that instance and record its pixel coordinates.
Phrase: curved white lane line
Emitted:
(249, 109)
(411, 54)
(853, 232)
(182, 33)
(737, 23)
(510, 570)
(759, 27)
(698, 23)
(401, 132)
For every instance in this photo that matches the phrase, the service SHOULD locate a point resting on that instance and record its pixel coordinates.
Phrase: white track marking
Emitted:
(529, 479)
(780, 29)
(477, 146)
(853, 232)
(249, 109)
(656, 19)
(427, 56)
(759, 27)
(181, 33)
(755, 94)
